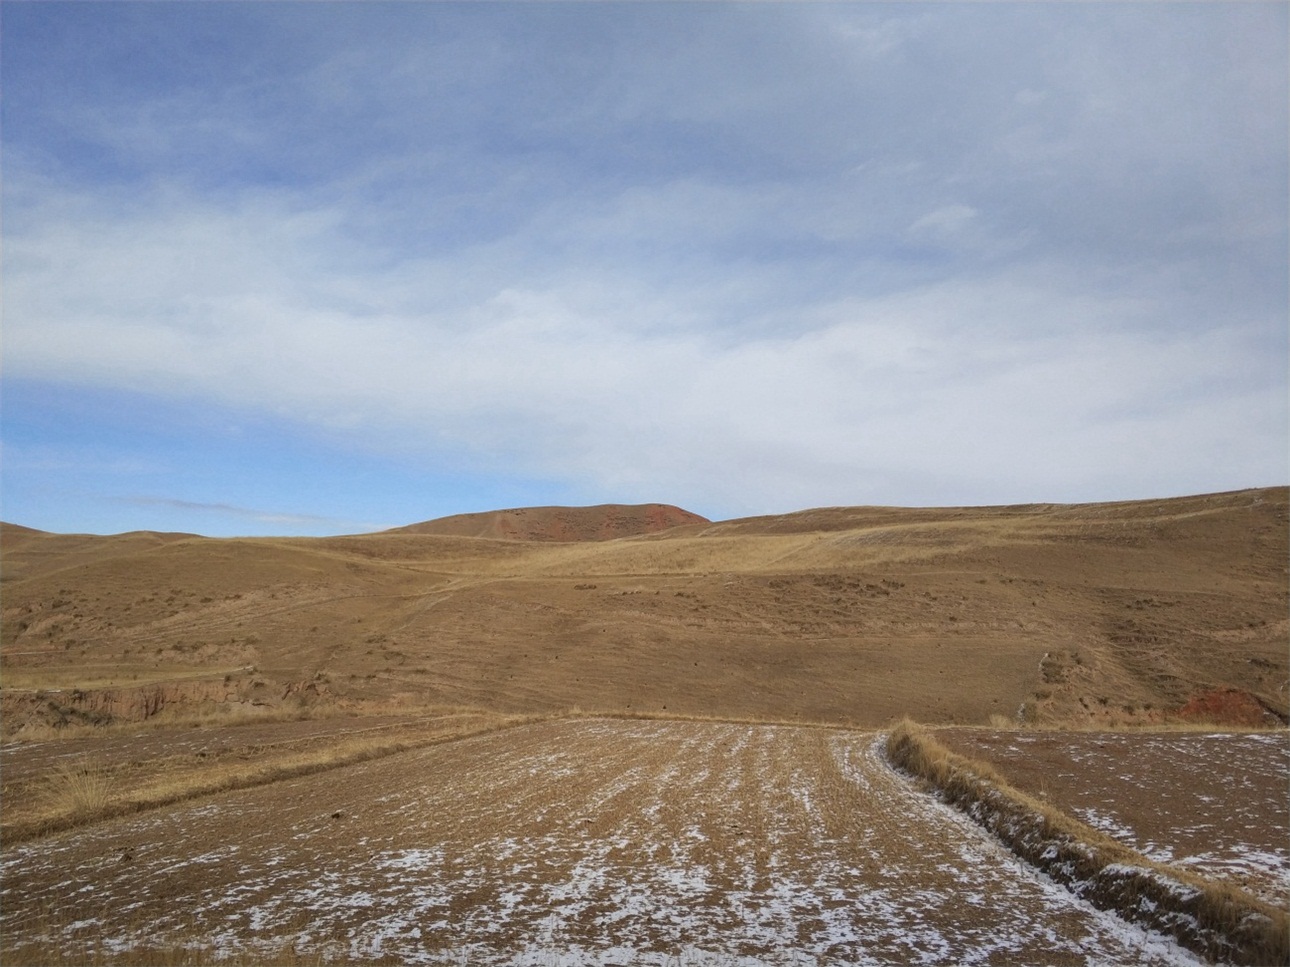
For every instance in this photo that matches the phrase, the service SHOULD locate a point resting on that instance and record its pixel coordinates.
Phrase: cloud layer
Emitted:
(749, 258)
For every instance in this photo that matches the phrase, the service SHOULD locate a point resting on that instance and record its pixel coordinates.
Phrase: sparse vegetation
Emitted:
(85, 793)
(1216, 920)
(1039, 618)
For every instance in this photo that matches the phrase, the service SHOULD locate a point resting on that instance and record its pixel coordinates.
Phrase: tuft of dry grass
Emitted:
(80, 789)
(1217, 920)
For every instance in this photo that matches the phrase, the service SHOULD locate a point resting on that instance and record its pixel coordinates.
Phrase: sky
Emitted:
(319, 268)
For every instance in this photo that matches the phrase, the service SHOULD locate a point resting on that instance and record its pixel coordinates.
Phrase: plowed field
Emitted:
(582, 842)
(1217, 803)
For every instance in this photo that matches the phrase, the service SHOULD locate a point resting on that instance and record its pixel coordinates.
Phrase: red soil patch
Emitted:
(1226, 706)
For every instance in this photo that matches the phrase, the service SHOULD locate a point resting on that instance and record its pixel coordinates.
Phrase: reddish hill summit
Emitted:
(604, 522)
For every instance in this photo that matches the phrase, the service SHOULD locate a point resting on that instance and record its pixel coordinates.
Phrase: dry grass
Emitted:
(1218, 921)
(775, 618)
(221, 715)
(109, 675)
(1001, 723)
(90, 792)
(215, 715)
(80, 789)
(715, 719)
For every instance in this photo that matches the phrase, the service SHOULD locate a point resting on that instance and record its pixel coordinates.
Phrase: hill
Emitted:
(1134, 612)
(604, 522)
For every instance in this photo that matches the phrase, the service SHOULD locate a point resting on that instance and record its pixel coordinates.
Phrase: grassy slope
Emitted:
(1083, 614)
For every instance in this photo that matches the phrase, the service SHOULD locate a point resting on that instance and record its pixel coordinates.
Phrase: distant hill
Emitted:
(604, 522)
(12, 535)
(1093, 615)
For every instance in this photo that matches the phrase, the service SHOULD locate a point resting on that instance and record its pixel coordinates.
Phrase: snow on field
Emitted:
(574, 843)
(1217, 803)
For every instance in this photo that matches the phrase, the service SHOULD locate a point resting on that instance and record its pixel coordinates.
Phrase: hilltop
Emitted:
(604, 522)
(1119, 613)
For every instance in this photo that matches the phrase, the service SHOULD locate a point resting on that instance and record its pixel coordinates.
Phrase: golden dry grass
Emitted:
(91, 790)
(81, 790)
(1098, 615)
(1039, 616)
(1217, 920)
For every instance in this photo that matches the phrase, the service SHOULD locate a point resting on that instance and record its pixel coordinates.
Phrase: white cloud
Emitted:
(247, 513)
(1016, 384)
(826, 256)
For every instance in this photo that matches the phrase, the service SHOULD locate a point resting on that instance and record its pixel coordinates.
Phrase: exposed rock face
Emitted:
(604, 522)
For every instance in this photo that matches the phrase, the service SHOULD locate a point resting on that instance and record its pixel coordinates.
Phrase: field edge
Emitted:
(1216, 920)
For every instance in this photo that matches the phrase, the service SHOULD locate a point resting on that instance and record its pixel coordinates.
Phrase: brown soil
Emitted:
(651, 835)
(141, 769)
(587, 842)
(1213, 802)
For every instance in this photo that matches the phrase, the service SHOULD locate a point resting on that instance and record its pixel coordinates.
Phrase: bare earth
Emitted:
(596, 842)
(1215, 803)
(698, 781)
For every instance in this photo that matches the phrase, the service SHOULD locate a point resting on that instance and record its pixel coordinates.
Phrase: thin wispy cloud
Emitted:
(743, 258)
(245, 513)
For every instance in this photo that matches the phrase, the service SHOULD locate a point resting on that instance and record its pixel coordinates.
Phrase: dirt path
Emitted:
(586, 842)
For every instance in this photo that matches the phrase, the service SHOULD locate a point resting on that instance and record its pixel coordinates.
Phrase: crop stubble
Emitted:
(593, 841)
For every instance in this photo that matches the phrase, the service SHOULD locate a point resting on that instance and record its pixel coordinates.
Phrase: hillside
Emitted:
(1131, 612)
(604, 522)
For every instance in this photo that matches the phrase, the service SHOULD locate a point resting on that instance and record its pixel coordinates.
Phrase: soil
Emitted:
(598, 841)
(581, 842)
(1213, 802)
(28, 762)
(1228, 706)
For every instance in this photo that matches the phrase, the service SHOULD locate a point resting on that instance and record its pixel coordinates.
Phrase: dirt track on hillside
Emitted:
(596, 842)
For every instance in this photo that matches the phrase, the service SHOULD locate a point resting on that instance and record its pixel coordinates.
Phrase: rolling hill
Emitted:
(604, 522)
(1134, 612)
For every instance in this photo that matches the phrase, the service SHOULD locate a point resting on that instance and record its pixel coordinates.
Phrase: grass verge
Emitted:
(1216, 920)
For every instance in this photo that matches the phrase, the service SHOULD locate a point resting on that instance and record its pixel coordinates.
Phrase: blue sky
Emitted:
(297, 268)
